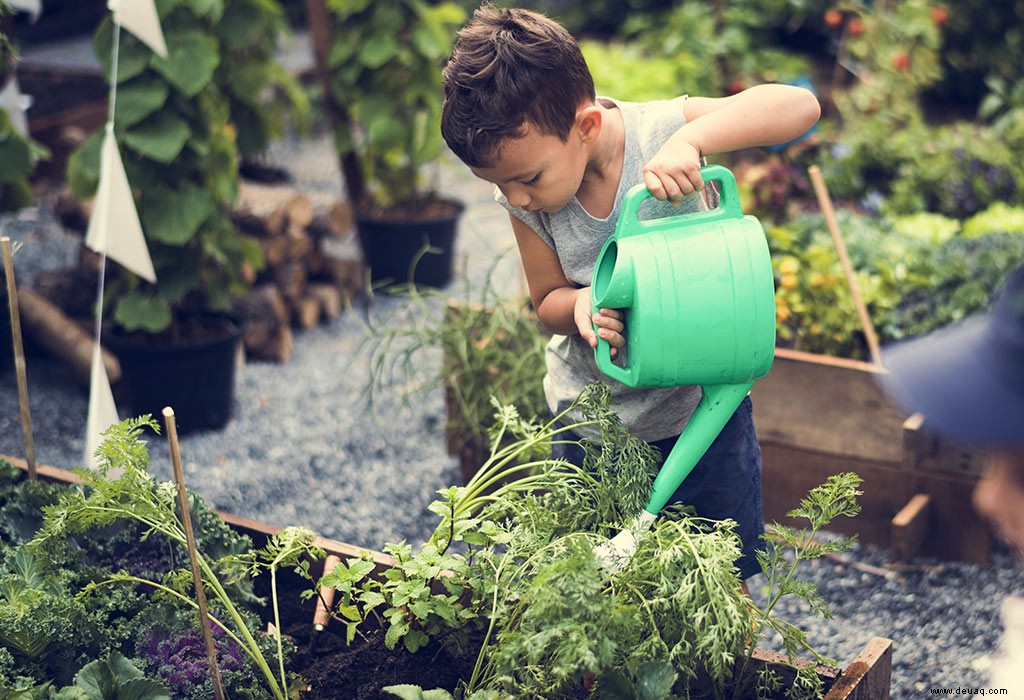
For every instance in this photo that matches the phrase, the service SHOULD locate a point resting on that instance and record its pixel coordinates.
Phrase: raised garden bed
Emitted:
(816, 415)
(335, 670)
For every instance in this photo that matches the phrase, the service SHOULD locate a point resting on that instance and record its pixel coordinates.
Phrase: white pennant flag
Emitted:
(102, 409)
(12, 100)
(140, 18)
(115, 207)
(33, 7)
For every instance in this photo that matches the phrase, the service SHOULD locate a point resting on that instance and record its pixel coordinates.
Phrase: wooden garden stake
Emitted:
(825, 202)
(322, 615)
(19, 357)
(190, 538)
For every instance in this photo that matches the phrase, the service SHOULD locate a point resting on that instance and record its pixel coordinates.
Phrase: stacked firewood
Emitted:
(304, 281)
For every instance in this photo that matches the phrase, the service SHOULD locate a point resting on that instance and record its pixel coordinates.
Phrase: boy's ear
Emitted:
(589, 121)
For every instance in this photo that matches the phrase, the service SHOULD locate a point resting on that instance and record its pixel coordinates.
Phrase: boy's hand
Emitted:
(609, 322)
(674, 171)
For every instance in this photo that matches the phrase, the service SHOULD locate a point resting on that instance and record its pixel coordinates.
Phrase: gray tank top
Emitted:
(577, 238)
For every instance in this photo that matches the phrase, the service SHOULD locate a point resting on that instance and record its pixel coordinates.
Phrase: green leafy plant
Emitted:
(492, 349)
(18, 152)
(385, 63)
(112, 678)
(513, 556)
(122, 490)
(916, 273)
(787, 548)
(174, 131)
(262, 95)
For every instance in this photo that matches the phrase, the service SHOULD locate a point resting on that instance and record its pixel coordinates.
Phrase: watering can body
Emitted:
(698, 296)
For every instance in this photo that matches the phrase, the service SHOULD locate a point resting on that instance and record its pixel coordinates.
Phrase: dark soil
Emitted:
(337, 671)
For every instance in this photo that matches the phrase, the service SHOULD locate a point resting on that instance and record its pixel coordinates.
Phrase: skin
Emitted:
(540, 172)
(999, 496)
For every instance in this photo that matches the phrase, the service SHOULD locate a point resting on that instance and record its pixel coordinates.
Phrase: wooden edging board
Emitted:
(866, 678)
(817, 415)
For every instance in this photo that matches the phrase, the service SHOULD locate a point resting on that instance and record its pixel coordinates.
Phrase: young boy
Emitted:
(521, 111)
(968, 381)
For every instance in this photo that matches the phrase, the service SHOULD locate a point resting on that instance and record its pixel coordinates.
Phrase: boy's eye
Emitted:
(533, 180)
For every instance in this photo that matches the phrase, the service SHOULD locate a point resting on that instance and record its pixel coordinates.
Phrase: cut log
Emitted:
(328, 297)
(348, 275)
(291, 278)
(70, 289)
(332, 217)
(265, 319)
(266, 210)
(305, 312)
(60, 336)
(269, 344)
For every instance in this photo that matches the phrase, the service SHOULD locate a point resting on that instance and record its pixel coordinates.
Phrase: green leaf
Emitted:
(654, 680)
(414, 692)
(192, 58)
(143, 689)
(142, 312)
(132, 55)
(15, 158)
(374, 54)
(173, 216)
(160, 137)
(97, 679)
(84, 166)
(138, 99)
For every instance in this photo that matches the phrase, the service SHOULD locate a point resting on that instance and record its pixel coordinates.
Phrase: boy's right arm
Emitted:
(562, 307)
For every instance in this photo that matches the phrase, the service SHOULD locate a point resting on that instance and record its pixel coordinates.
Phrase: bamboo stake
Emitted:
(190, 538)
(825, 202)
(322, 615)
(19, 357)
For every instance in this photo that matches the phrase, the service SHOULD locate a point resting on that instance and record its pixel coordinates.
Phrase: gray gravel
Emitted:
(304, 448)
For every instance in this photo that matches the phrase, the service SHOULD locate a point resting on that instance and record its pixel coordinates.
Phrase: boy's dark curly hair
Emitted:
(509, 67)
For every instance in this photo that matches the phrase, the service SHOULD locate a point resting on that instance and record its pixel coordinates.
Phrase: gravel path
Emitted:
(303, 448)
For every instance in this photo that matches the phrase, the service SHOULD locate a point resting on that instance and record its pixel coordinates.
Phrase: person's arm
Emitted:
(763, 115)
(562, 308)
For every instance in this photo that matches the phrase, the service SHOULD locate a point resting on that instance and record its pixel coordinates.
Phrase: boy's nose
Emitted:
(518, 199)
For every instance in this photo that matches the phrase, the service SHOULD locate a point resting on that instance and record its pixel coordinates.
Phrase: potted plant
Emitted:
(383, 75)
(173, 129)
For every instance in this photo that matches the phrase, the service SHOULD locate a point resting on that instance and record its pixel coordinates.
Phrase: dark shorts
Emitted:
(726, 483)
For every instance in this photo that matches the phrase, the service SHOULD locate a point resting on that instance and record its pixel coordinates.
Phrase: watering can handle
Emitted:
(729, 206)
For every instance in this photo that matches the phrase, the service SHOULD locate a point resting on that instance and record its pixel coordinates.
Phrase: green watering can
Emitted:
(698, 294)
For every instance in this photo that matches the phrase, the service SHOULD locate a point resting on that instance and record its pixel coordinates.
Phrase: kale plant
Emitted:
(122, 491)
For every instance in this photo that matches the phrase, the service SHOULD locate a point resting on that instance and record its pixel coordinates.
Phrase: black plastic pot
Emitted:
(196, 378)
(399, 251)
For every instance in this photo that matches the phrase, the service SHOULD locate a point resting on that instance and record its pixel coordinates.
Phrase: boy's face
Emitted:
(999, 496)
(539, 172)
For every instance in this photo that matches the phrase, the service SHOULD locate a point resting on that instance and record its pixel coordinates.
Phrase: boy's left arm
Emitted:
(763, 115)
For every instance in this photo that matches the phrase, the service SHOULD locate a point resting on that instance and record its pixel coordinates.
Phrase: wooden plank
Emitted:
(910, 527)
(259, 531)
(869, 676)
(835, 405)
(827, 404)
(956, 532)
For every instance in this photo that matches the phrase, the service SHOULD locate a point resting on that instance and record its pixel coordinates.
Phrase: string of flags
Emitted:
(114, 228)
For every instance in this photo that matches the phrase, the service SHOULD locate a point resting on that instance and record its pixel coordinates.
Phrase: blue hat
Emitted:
(967, 379)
